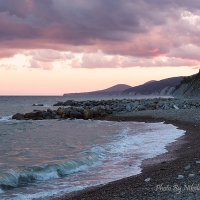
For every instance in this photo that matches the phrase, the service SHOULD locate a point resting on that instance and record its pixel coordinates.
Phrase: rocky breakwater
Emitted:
(100, 109)
(65, 113)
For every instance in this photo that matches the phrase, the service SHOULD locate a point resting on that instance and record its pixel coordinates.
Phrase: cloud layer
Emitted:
(138, 32)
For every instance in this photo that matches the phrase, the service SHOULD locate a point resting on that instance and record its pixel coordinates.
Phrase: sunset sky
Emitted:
(51, 47)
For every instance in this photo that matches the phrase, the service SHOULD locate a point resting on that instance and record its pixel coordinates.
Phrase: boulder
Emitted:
(38, 104)
(30, 115)
(88, 114)
(69, 103)
(58, 104)
(180, 177)
(18, 116)
(191, 175)
(60, 111)
(129, 107)
(34, 115)
(74, 114)
(176, 107)
(141, 108)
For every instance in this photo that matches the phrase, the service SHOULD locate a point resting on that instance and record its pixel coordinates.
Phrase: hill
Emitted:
(189, 87)
(176, 86)
(114, 90)
(162, 87)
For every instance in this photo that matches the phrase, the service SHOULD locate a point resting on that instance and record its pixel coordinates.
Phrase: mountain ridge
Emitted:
(113, 90)
(161, 87)
(181, 86)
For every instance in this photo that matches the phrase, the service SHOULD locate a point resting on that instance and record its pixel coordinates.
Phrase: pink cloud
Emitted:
(146, 30)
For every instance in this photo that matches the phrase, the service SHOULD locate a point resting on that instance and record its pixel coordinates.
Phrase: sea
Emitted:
(47, 158)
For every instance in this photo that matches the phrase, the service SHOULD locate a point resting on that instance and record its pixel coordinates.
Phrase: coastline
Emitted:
(162, 170)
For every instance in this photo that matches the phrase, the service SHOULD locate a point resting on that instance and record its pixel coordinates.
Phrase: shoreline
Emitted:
(163, 170)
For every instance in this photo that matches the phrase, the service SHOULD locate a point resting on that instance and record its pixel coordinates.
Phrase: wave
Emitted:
(5, 118)
(46, 194)
(19, 178)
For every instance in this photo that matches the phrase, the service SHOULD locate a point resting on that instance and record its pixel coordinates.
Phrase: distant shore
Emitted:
(173, 175)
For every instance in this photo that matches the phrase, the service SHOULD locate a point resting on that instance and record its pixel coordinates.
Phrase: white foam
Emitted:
(42, 195)
(47, 106)
(5, 118)
(133, 148)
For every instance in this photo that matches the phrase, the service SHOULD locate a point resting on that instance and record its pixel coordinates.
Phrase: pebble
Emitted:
(176, 107)
(191, 175)
(147, 180)
(187, 167)
(180, 177)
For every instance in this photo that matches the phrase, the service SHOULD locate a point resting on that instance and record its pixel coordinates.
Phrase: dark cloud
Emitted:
(140, 28)
(75, 21)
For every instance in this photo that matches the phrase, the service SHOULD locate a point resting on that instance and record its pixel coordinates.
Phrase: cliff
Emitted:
(189, 87)
(162, 87)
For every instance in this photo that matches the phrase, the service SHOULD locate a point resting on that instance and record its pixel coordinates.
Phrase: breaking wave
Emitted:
(5, 118)
(18, 178)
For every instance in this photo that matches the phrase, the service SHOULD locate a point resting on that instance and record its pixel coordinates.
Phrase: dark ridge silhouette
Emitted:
(165, 87)
(114, 90)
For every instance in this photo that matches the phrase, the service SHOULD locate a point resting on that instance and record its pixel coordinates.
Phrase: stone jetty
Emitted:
(92, 109)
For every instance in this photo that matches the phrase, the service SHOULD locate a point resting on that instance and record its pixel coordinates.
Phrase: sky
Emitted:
(51, 47)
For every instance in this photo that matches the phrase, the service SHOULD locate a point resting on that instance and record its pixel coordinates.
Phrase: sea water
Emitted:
(41, 159)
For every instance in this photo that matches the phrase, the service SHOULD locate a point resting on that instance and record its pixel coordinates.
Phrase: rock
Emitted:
(30, 115)
(67, 112)
(141, 108)
(176, 107)
(50, 114)
(39, 115)
(187, 167)
(70, 103)
(38, 104)
(60, 111)
(165, 107)
(180, 177)
(18, 116)
(99, 111)
(58, 104)
(147, 179)
(88, 114)
(80, 109)
(128, 107)
(191, 175)
(76, 115)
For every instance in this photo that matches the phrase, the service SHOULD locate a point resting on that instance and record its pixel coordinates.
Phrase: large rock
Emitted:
(129, 107)
(60, 111)
(38, 115)
(60, 103)
(18, 116)
(88, 114)
(74, 114)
